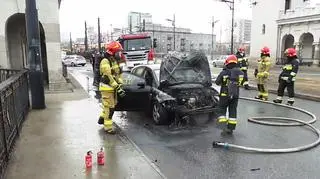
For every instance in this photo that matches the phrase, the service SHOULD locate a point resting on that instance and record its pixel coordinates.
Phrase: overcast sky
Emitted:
(194, 14)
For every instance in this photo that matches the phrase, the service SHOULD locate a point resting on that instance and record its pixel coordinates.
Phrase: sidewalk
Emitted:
(307, 84)
(54, 141)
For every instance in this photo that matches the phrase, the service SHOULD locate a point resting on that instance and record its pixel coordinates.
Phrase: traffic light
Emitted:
(154, 43)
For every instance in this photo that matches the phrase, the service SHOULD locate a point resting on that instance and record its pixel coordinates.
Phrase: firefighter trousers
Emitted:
(109, 102)
(245, 78)
(262, 87)
(290, 88)
(231, 104)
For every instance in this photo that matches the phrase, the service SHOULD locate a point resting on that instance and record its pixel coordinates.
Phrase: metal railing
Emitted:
(14, 106)
(6, 73)
(302, 61)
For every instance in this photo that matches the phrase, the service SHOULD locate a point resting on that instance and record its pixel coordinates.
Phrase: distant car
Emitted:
(74, 60)
(219, 62)
(178, 87)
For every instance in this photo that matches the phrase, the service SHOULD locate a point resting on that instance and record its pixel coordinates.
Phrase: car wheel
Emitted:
(214, 64)
(72, 64)
(160, 115)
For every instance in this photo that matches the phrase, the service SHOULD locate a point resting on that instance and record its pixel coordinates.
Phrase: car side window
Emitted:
(131, 79)
(149, 78)
(138, 71)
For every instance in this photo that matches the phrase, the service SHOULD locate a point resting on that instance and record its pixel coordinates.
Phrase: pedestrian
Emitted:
(243, 64)
(97, 76)
(230, 78)
(110, 84)
(288, 76)
(93, 59)
(262, 74)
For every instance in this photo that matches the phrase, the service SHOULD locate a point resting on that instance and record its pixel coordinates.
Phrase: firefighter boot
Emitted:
(231, 125)
(108, 127)
(290, 101)
(246, 85)
(259, 95)
(222, 122)
(101, 117)
(100, 120)
(278, 100)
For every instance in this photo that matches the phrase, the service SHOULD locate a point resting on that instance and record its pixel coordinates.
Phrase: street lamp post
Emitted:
(174, 30)
(231, 6)
(34, 56)
(212, 39)
(99, 36)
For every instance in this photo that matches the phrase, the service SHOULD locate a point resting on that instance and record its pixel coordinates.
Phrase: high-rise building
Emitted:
(135, 20)
(242, 31)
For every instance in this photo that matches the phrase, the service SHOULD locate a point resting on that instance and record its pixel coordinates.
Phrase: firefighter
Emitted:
(243, 64)
(288, 76)
(230, 78)
(110, 84)
(262, 73)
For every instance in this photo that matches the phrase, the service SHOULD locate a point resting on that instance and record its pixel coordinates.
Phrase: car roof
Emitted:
(152, 66)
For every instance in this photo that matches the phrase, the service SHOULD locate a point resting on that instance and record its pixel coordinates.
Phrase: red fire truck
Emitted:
(138, 49)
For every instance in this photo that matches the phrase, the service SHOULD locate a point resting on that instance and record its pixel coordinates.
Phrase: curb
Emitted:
(123, 135)
(298, 95)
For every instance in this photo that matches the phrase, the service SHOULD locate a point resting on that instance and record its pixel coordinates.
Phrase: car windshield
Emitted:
(137, 44)
(187, 75)
(157, 72)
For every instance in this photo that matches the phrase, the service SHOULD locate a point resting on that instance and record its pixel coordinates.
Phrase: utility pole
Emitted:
(111, 33)
(143, 25)
(85, 36)
(174, 32)
(212, 36)
(232, 26)
(34, 56)
(231, 6)
(130, 24)
(99, 36)
(70, 43)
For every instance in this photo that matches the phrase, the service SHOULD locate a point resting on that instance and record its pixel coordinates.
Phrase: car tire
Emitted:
(72, 64)
(214, 64)
(160, 115)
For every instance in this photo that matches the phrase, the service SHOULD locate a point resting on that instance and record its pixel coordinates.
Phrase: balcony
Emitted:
(299, 12)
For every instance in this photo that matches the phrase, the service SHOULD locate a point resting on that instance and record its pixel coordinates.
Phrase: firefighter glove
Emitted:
(121, 92)
(260, 75)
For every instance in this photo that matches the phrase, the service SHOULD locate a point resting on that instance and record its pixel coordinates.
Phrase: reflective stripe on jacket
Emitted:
(111, 75)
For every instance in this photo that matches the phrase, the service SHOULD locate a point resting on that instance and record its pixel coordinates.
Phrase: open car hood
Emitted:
(192, 69)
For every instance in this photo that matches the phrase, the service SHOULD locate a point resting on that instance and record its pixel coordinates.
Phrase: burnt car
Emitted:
(174, 90)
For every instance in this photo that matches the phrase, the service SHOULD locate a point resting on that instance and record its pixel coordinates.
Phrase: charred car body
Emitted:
(173, 91)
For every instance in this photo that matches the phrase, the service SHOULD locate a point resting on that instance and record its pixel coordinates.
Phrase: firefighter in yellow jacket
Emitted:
(111, 84)
(262, 74)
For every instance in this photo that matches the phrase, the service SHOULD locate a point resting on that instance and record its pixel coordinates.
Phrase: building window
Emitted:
(287, 5)
(263, 28)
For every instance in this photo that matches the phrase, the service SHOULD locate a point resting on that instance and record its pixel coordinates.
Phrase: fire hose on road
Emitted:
(283, 121)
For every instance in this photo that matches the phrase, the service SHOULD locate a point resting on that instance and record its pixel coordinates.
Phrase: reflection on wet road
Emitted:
(189, 154)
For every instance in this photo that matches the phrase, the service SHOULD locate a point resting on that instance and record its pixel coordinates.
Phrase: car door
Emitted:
(137, 93)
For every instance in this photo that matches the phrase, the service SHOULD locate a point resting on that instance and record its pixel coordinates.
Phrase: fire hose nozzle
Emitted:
(216, 144)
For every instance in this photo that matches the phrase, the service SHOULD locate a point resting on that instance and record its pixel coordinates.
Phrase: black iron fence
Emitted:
(14, 106)
(64, 70)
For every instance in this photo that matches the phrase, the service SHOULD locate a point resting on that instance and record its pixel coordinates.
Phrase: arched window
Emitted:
(263, 28)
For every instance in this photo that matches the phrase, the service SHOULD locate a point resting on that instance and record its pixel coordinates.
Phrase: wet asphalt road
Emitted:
(189, 153)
